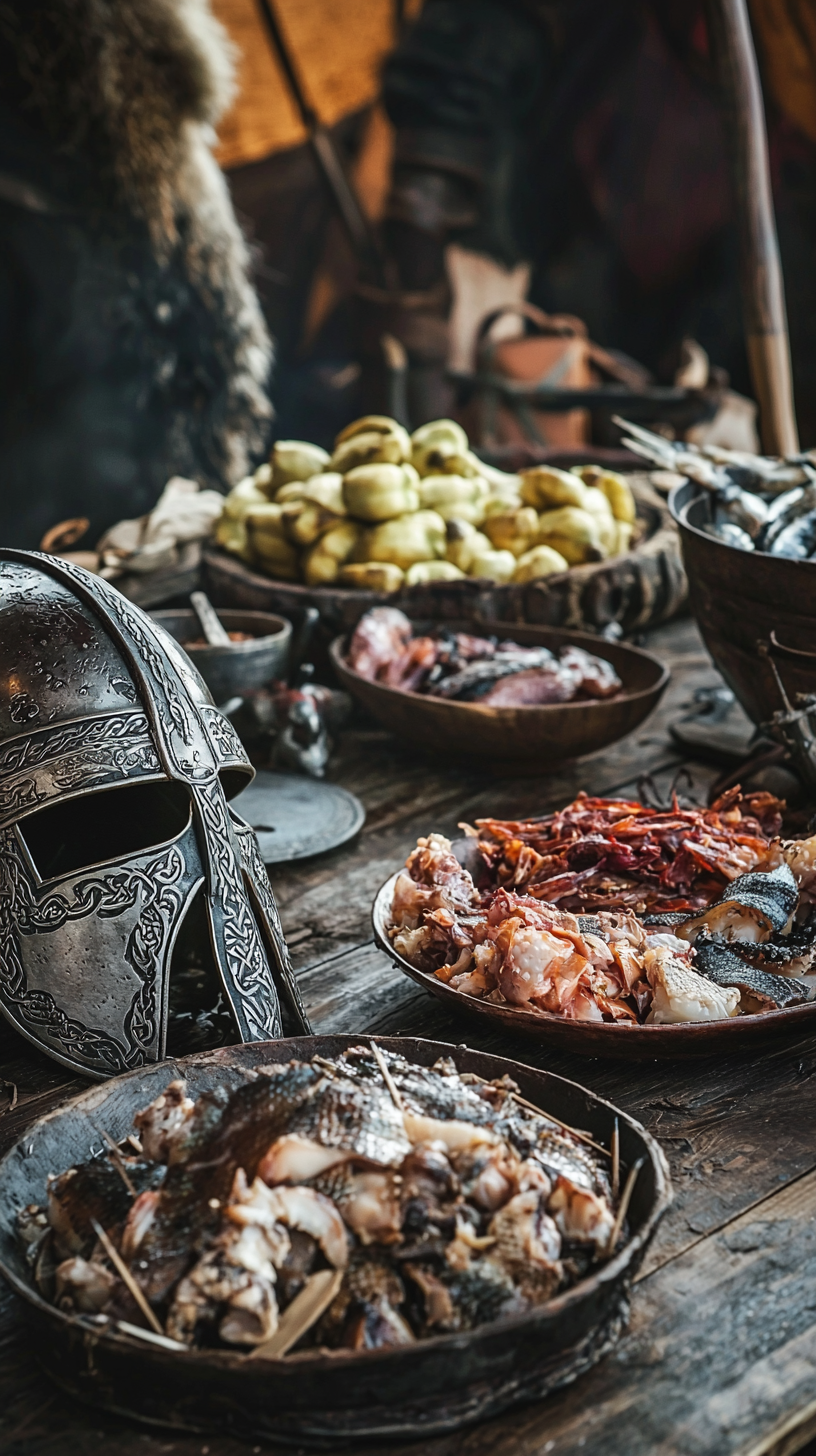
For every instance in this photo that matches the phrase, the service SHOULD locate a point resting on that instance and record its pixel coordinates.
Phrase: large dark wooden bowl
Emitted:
(320, 1399)
(514, 739)
(647, 585)
(739, 598)
(600, 1039)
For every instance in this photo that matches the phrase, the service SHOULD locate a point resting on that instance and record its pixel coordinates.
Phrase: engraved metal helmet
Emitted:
(121, 863)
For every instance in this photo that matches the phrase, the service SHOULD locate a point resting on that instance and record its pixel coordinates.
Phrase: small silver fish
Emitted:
(730, 534)
(740, 508)
(797, 540)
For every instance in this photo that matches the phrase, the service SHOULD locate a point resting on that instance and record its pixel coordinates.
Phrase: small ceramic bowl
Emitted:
(231, 671)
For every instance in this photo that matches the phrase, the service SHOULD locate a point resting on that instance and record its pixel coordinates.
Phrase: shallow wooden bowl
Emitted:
(515, 739)
(323, 1399)
(594, 1038)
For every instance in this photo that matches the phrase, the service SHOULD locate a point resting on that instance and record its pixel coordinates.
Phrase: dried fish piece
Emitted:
(751, 909)
(680, 994)
(759, 990)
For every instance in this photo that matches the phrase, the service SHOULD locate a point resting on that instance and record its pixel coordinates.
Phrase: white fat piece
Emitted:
(455, 1136)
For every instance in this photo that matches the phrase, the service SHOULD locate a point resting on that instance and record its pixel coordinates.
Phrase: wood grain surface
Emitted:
(720, 1358)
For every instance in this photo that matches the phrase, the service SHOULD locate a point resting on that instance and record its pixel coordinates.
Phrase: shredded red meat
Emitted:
(619, 854)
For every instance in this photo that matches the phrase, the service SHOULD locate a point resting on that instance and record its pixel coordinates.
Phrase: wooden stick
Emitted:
(124, 1273)
(163, 1341)
(583, 1137)
(304, 1311)
(623, 1206)
(615, 1160)
(118, 1163)
(387, 1078)
(763, 292)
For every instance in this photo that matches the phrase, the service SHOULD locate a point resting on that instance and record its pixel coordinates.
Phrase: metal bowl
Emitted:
(515, 739)
(739, 599)
(594, 1038)
(230, 671)
(322, 1399)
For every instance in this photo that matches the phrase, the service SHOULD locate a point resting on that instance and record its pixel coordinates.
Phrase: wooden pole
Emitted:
(763, 292)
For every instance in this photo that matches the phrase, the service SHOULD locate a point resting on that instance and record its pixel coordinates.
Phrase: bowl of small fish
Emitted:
(615, 929)
(327, 1238)
(748, 530)
(507, 696)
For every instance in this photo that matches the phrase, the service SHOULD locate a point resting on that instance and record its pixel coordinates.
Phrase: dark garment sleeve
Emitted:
(467, 71)
(460, 90)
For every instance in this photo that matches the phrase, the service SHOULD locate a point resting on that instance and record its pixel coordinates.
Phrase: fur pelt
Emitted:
(134, 87)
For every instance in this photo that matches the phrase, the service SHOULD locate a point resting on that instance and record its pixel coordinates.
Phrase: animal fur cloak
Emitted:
(133, 346)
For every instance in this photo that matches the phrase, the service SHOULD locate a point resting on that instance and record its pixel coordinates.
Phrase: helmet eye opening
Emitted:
(71, 835)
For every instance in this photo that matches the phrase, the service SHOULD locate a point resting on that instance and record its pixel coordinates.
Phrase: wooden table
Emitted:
(721, 1353)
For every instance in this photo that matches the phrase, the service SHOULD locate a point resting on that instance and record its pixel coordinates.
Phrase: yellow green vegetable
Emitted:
(514, 531)
(424, 571)
(379, 576)
(573, 532)
(378, 493)
(296, 460)
(497, 565)
(545, 487)
(409, 538)
(454, 496)
(323, 562)
(464, 542)
(541, 561)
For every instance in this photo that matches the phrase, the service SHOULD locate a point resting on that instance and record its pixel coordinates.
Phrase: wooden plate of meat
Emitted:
(532, 695)
(615, 929)
(392, 1314)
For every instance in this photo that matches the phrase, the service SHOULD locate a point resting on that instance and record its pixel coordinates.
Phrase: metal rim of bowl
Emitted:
(679, 512)
(281, 635)
(625, 1033)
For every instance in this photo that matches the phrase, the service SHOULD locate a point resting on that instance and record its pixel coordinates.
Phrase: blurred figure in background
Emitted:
(134, 348)
(584, 140)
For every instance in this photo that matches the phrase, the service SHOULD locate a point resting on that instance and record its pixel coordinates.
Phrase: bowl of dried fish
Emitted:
(615, 929)
(317, 1240)
(748, 530)
(508, 696)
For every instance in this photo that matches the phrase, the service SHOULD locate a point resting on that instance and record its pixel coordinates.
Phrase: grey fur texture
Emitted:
(136, 87)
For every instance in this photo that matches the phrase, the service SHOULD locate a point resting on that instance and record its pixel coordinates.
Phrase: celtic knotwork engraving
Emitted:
(23, 754)
(81, 755)
(246, 964)
(223, 736)
(89, 768)
(256, 869)
(20, 795)
(157, 883)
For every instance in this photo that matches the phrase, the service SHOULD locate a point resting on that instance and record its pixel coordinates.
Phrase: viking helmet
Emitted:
(115, 831)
